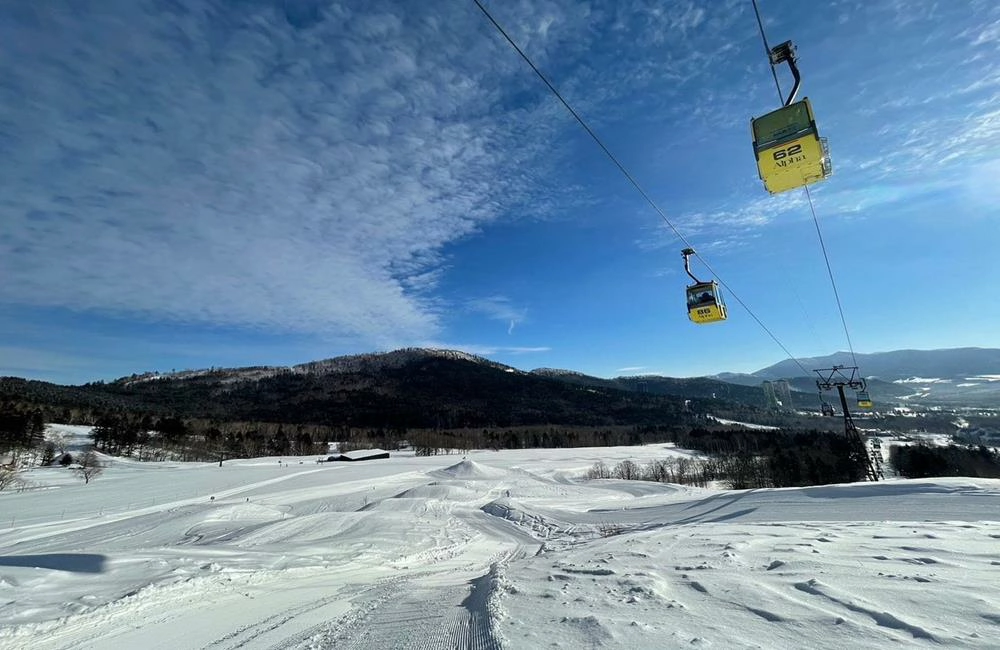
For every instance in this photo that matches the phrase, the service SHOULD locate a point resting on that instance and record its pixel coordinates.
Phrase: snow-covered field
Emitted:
(508, 549)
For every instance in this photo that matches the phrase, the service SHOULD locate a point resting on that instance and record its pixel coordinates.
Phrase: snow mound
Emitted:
(640, 488)
(538, 525)
(243, 512)
(470, 469)
(585, 631)
(438, 491)
(504, 510)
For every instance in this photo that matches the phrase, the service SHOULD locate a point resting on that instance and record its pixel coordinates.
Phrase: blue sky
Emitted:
(187, 183)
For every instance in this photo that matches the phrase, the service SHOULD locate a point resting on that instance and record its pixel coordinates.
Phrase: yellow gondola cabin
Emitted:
(704, 300)
(788, 148)
(705, 304)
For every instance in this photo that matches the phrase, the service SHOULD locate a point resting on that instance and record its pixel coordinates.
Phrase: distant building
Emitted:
(359, 454)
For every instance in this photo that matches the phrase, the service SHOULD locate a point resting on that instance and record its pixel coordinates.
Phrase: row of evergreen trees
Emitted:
(21, 431)
(755, 459)
(124, 435)
(149, 438)
(923, 461)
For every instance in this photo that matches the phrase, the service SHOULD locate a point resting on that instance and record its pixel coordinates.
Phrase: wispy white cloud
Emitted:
(728, 224)
(944, 117)
(19, 361)
(303, 166)
(979, 186)
(523, 350)
(296, 168)
(486, 349)
(891, 142)
(631, 369)
(499, 308)
(986, 34)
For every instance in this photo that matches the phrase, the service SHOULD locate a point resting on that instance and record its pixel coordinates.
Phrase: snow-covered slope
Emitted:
(500, 549)
(385, 360)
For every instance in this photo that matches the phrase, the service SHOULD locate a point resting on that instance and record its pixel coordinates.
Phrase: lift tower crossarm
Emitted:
(829, 378)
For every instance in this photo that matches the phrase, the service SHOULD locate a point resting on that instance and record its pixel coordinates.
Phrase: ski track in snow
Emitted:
(500, 550)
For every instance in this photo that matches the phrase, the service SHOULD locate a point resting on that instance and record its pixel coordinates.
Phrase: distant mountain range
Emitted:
(428, 388)
(957, 364)
(957, 376)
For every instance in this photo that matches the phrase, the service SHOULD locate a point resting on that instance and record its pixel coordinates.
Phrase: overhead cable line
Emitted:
(812, 208)
(829, 270)
(631, 179)
(767, 51)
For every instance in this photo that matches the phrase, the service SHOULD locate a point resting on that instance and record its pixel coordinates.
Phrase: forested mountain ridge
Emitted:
(405, 389)
(692, 387)
(443, 389)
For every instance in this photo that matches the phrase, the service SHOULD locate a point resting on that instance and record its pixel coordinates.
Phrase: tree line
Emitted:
(743, 459)
(24, 443)
(150, 438)
(923, 461)
(22, 433)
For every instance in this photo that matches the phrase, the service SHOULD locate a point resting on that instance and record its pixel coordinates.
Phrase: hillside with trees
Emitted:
(401, 390)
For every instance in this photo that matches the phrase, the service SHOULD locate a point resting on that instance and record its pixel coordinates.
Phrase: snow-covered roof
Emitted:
(361, 454)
